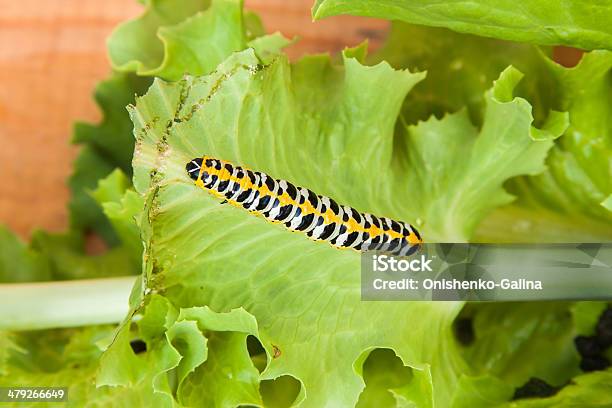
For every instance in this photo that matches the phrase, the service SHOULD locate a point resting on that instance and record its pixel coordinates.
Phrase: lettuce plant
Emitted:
(437, 128)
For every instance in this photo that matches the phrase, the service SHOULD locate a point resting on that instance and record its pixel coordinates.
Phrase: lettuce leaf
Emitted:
(460, 68)
(197, 355)
(568, 202)
(388, 383)
(505, 334)
(106, 146)
(565, 203)
(451, 170)
(18, 262)
(579, 177)
(122, 207)
(277, 117)
(592, 390)
(67, 358)
(575, 23)
(58, 257)
(514, 342)
(169, 41)
(134, 45)
(587, 390)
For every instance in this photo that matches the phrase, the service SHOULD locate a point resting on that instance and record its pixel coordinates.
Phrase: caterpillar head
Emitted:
(204, 170)
(193, 168)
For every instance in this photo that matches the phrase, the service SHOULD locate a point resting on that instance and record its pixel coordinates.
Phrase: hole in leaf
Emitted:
(138, 346)
(535, 387)
(604, 328)
(587, 346)
(386, 377)
(592, 349)
(594, 363)
(254, 346)
(94, 244)
(567, 56)
(257, 352)
(464, 330)
(280, 392)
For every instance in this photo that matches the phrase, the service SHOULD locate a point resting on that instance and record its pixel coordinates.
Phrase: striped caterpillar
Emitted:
(299, 209)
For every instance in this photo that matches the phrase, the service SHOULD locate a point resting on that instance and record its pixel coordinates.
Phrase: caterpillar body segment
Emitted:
(301, 210)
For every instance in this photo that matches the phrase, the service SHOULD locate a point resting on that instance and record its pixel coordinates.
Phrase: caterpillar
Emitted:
(300, 209)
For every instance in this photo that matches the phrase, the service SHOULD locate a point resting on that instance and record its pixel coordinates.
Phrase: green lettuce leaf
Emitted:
(122, 207)
(106, 146)
(242, 78)
(451, 168)
(20, 263)
(67, 358)
(507, 334)
(194, 355)
(59, 257)
(8, 346)
(575, 23)
(304, 123)
(591, 390)
(169, 41)
(579, 177)
(514, 342)
(484, 391)
(565, 203)
(460, 68)
(227, 376)
(586, 315)
(389, 383)
(66, 257)
(135, 45)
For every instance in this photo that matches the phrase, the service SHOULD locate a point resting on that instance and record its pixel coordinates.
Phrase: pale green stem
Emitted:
(46, 305)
